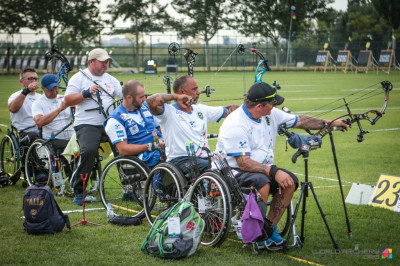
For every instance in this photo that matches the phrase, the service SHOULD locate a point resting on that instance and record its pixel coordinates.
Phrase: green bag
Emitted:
(160, 243)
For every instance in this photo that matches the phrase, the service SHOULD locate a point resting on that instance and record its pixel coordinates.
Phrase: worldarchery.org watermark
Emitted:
(366, 253)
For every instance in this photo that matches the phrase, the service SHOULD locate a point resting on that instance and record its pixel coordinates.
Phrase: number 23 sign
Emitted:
(387, 193)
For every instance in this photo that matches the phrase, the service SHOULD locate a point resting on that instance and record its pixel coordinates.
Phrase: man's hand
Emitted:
(340, 123)
(183, 101)
(284, 179)
(33, 86)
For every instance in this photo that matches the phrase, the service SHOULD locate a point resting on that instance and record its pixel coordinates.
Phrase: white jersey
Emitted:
(240, 135)
(44, 106)
(179, 127)
(23, 118)
(79, 82)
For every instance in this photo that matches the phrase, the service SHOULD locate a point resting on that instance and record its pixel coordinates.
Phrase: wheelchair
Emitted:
(215, 194)
(219, 199)
(46, 166)
(12, 154)
(122, 184)
(164, 187)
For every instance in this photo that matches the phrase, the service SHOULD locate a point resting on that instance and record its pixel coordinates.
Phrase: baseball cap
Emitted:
(262, 92)
(49, 81)
(98, 54)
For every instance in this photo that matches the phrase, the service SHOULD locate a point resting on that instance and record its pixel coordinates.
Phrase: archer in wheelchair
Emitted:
(181, 122)
(23, 129)
(44, 163)
(135, 133)
(248, 137)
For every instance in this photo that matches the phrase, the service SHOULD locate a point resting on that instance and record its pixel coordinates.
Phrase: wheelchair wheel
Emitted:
(38, 166)
(163, 189)
(121, 184)
(9, 161)
(210, 199)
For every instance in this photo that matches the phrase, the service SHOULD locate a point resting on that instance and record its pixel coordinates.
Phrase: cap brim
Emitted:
(52, 85)
(102, 58)
(279, 99)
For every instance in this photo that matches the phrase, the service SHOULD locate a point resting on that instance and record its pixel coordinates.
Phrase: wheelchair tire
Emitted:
(157, 202)
(38, 165)
(9, 156)
(210, 198)
(121, 184)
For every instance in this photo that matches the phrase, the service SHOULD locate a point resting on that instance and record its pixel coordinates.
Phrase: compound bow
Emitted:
(55, 55)
(356, 118)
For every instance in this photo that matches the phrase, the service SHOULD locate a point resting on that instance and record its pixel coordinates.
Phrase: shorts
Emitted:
(258, 180)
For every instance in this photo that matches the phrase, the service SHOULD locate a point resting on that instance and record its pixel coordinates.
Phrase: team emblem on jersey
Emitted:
(200, 115)
(242, 144)
(134, 129)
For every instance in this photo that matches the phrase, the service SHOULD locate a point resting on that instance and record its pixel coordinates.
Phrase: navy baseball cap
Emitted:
(49, 81)
(262, 92)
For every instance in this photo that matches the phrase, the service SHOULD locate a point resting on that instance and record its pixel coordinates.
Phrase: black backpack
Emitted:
(42, 213)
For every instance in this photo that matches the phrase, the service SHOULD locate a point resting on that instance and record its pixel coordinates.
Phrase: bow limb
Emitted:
(190, 56)
(262, 63)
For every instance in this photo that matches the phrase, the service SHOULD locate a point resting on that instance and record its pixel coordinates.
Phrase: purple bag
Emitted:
(252, 220)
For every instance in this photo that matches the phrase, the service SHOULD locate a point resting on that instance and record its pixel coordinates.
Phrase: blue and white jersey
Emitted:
(179, 127)
(134, 127)
(240, 135)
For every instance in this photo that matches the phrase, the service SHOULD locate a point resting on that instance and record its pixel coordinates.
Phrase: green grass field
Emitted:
(305, 92)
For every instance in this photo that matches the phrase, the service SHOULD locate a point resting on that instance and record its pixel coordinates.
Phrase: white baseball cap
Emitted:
(98, 54)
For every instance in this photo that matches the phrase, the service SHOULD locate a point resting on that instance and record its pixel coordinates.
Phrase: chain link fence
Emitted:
(29, 48)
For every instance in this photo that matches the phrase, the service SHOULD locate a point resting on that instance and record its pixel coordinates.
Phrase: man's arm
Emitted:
(230, 108)
(42, 120)
(248, 165)
(76, 98)
(131, 149)
(310, 122)
(157, 101)
(17, 103)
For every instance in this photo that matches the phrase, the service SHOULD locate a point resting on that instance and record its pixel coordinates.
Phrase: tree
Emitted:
(199, 18)
(61, 16)
(271, 18)
(11, 16)
(145, 15)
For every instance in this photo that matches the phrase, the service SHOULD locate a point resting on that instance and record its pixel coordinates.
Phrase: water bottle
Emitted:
(110, 212)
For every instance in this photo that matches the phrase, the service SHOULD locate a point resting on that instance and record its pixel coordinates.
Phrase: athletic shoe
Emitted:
(260, 245)
(275, 239)
(78, 199)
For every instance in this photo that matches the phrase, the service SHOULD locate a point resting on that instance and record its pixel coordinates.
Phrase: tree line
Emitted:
(303, 22)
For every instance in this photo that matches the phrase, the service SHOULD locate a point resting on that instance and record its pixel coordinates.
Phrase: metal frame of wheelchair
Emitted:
(220, 202)
(12, 154)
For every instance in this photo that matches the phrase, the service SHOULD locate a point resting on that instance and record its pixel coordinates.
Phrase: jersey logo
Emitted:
(134, 129)
(200, 115)
(192, 123)
(242, 144)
